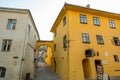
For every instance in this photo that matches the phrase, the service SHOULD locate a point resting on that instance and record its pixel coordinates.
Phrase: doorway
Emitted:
(86, 69)
(99, 69)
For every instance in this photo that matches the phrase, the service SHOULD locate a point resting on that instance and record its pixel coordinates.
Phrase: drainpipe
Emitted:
(24, 51)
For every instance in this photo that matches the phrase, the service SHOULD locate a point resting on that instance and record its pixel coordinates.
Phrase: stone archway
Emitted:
(49, 45)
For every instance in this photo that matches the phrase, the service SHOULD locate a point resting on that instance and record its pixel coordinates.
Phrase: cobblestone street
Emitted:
(43, 72)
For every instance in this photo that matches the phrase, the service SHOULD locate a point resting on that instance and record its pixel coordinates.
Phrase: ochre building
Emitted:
(86, 44)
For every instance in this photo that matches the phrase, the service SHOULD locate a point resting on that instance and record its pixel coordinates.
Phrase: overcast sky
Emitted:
(45, 12)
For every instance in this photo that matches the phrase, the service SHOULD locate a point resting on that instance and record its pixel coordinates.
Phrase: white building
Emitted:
(18, 36)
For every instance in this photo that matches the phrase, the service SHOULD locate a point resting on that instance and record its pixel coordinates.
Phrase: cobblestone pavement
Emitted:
(43, 72)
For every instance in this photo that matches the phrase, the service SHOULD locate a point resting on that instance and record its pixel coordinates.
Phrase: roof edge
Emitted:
(89, 10)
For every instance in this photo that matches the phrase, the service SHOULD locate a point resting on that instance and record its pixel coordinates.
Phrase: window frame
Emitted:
(64, 41)
(112, 24)
(6, 45)
(2, 72)
(11, 24)
(99, 39)
(116, 58)
(85, 38)
(64, 21)
(116, 41)
(96, 21)
(83, 18)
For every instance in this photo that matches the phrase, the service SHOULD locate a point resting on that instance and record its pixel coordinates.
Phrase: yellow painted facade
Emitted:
(72, 63)
(49, 56)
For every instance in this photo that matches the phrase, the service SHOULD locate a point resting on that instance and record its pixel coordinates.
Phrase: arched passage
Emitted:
(49, 45)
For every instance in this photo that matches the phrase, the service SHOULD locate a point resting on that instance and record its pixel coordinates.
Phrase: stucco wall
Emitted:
(77, 47)
(19, 46)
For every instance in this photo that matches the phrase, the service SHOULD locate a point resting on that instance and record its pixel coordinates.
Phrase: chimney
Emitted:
(88, 6)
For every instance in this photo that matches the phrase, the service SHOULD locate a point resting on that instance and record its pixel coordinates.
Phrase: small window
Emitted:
(64, 20)
(85, 38)
(55, 34)
(6, 45)
(96, 21)
(112, 24)
(11, 24)
(54, 47)
(83, 18)
(99, 39)
(65, 42)
(2, 71)
(29, 28)
(116, 58)
(116, 41)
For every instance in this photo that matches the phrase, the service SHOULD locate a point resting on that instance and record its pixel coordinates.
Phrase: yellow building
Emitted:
(86, 44)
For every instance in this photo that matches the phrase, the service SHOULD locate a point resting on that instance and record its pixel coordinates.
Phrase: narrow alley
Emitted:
(43, 72)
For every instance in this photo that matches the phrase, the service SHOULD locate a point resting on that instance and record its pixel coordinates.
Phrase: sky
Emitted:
(45, 12)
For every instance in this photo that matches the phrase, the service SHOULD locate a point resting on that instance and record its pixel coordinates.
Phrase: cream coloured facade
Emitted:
(18, 36)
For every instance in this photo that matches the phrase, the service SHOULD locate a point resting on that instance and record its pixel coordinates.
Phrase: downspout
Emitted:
(24, 52)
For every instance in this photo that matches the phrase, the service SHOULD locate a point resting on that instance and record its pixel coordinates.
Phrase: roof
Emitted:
(77, 8)
(20, 11)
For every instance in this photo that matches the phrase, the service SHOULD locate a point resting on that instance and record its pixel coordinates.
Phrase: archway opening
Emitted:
(86, 68)
(44, 54)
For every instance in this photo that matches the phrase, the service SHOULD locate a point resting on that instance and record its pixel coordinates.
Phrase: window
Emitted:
(85, 38)
(29, 28)
(11, 24)
(96, 21)
(64, 20)
(2, 71)
(55, 34)
(54, 47)
(116, 58)
(83, 18)
(6, 45)
(116, 41)
(99, 39)
(64, 42)
(112, 24)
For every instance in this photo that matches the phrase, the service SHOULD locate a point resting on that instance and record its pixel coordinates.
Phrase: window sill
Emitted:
(83, 22)
(113, 27)
(100, 43)
(86, 42)
(96, 25)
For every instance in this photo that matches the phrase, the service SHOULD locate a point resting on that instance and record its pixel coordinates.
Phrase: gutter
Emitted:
(24, 51)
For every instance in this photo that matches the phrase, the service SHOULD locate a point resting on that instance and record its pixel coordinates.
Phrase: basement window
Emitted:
(2, 71)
